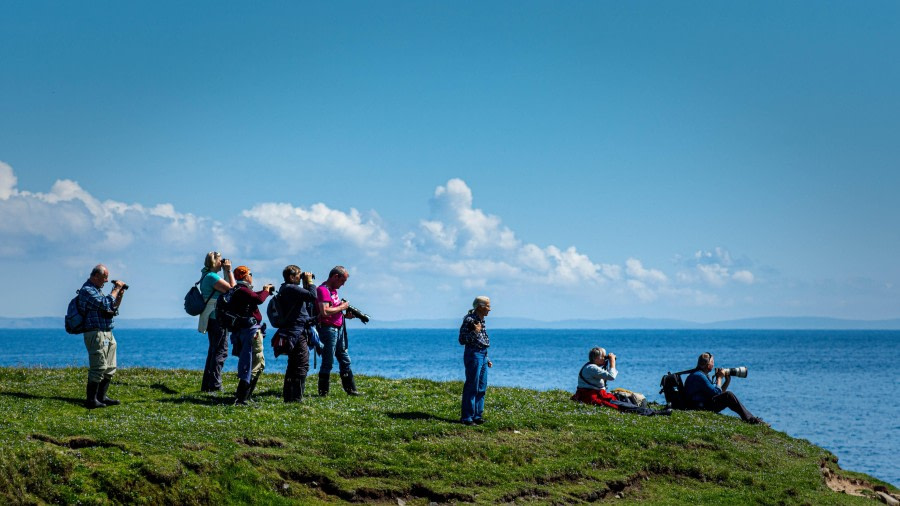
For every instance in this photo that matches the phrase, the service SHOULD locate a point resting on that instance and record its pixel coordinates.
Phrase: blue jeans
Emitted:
(250, 360)
(334, 346)
(475, 361)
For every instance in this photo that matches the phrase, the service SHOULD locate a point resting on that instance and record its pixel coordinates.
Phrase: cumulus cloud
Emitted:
(8, 181)
(302, 229)
(459, 247)
(715, 268)
(457, 232)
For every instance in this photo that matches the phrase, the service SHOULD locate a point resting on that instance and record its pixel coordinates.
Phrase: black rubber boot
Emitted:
(252, 387)
(300, 387)
(91, 401)
(293, 389)
(240, 397)
(324, 384)
(348, 383)
(101, 393)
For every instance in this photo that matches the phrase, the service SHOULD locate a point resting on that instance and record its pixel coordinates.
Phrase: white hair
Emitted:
(481, 300)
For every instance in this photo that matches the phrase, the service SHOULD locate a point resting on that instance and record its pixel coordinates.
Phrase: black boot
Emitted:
(287, 391)
(348, 383)
(243, 390)
(252, 387)
(91, 401)
(101, 393)
(324, 384)
(300, 387)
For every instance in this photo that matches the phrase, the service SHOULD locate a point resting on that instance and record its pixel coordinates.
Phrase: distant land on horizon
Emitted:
(501, 322)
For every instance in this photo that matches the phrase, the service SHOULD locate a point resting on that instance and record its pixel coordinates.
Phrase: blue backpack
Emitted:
(74, 316)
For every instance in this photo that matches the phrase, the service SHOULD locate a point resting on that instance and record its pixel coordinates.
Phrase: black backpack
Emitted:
(74, 316)
(673, 388)
(230, 317)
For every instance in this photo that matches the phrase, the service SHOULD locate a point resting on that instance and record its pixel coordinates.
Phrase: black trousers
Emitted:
(298, 360)
(215, 356)
(730, 401)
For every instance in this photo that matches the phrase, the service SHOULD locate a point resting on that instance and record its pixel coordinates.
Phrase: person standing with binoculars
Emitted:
(98, 311)
(702, 394)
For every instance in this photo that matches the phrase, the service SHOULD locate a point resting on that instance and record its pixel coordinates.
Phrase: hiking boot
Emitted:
(101, 393)
(300, 387)
(348, 383)
(757, 421)
(467, 422)
(91, 401)
(478, 421)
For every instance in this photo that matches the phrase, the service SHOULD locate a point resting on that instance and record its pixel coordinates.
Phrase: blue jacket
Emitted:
(98, 309)
(700, 389)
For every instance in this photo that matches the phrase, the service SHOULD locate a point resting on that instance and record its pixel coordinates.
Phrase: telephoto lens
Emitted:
(740, 372)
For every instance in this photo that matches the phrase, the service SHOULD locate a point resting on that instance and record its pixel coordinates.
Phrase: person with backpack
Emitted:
(296, 310)
(473, 335)
(244, 302)
(333, 331)
(702, 394)
(592, 378)
(98, 311)
(211, 285)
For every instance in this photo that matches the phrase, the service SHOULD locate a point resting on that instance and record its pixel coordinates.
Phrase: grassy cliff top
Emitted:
(398, 443)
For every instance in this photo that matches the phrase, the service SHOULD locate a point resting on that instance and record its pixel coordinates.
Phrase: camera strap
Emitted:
(581, 375)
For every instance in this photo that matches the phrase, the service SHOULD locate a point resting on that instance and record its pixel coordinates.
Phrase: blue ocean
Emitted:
(838, 389)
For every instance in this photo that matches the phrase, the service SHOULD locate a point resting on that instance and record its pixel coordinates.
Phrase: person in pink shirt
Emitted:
(333, 332)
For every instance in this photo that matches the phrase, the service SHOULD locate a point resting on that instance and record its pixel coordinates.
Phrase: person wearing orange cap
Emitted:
(250, 359)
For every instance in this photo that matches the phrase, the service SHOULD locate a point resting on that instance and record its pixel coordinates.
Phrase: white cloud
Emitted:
(459, 248)
(745, 277)
(8, 181)
(635, 269)
(302, 229)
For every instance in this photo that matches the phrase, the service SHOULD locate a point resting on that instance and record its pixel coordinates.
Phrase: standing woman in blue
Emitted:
(473, 335)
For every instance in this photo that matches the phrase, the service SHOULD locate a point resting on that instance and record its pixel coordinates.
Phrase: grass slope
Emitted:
(169, 443)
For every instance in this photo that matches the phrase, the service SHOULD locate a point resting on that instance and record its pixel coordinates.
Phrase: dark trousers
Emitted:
(215, 356)
(730, 401)
(298, 360)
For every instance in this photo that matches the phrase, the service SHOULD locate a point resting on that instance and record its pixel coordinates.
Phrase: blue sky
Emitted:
(571, 160)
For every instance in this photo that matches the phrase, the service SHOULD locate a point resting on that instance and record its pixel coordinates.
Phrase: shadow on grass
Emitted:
(22, 395)
(419, 415)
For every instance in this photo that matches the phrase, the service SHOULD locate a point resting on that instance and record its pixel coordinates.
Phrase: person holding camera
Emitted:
(211, 286)
(592, 378)
(703, 395)
(251, 361)
(333, 332)
(473, 335)
(98, 311)
(298, 303)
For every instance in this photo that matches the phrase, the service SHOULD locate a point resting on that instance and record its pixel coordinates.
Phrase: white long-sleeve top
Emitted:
(595, 377)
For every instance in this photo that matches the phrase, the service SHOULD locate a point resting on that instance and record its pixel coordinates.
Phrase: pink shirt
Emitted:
(323, 294)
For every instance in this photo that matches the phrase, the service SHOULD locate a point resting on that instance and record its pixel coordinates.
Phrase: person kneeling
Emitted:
(592, 378)
(703, 395)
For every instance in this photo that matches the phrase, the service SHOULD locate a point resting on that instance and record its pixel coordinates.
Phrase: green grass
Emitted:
(168, 443)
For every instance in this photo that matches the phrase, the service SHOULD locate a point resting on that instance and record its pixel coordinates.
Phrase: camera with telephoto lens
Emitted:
(738, 372)
(363, 317)
(124, 287)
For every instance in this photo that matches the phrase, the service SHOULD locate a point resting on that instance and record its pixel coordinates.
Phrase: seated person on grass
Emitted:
(592, 378)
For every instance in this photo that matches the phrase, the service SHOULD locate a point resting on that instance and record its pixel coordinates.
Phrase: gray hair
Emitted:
(98, 270)
(596, 352)
(480, 301)
(703, 360)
